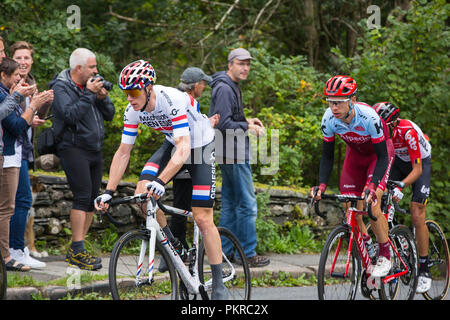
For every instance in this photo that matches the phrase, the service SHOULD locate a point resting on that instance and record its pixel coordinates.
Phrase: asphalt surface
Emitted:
(296, 265)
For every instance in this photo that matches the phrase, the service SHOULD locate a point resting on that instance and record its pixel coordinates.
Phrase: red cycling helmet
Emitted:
(137, 75)
(340, 86)
(387, 111)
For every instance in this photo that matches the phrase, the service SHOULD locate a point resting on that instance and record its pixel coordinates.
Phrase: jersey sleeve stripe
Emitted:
(130, 133)
(181, 125)
(180, 118)
(378, 140)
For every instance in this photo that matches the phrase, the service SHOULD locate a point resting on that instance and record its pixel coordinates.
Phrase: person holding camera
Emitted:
(80, 107)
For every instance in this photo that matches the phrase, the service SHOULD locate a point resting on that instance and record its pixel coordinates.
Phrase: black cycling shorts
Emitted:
(84, 175)
(201, 167)
(421, 187)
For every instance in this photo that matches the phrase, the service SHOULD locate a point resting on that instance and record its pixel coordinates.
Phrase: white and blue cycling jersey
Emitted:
(176, 114)
(365, 129)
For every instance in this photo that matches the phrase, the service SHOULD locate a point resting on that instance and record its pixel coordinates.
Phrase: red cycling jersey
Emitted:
(410, 143)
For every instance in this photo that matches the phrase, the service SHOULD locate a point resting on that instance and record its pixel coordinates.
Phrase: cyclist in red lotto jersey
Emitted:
(368, 157)
(412, 166)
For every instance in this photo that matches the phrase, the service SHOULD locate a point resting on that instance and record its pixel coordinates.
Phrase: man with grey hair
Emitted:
(80, 107)
(239, 209)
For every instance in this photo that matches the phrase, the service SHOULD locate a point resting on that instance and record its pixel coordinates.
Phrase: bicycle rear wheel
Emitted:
(129, 281)
(331, 283)
(235, 270)
(3, 279)
(438, 257)
(403, 287)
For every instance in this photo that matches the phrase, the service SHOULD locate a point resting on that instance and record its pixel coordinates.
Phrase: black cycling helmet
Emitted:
(387, 111)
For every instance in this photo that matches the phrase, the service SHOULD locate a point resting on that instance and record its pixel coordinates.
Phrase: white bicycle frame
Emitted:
(191, 281)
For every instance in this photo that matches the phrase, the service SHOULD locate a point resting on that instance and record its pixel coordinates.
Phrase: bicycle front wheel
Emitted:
(403, 287)
(235, 270)
(332, 283)
(438, 262)
(129, 279)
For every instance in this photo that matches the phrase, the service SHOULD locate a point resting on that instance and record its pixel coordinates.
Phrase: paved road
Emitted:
(296, 265)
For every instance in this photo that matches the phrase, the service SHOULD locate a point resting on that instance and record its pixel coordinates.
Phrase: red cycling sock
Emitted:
(384, 250)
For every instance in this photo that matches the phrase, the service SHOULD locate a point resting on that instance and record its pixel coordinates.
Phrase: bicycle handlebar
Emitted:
(142, 197)
(340, 198)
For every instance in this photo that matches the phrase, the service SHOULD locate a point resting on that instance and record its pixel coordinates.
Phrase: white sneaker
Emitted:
(382, 267)
(23, 256)
(424, 282)
(37, 254)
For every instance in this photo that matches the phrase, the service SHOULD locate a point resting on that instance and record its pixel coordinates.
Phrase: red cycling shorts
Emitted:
(358, 169)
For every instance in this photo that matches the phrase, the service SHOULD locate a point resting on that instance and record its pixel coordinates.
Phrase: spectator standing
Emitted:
(14, 126)
(22, 53)
(239, 208)
(80, 107)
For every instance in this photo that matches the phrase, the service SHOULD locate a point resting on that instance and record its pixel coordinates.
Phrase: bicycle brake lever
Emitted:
(316, 190)
(369, 212)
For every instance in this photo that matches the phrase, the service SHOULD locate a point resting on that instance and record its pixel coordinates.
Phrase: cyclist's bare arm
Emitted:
(182, 152)
(415, 173)
(118, 166)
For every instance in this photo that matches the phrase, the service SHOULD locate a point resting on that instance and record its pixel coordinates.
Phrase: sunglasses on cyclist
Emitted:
(134, 92)
(336, 102)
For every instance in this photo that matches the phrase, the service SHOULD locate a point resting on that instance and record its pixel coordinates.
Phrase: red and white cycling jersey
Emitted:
(410, 143)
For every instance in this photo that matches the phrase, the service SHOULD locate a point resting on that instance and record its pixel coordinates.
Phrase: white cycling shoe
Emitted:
(424, 282)
(382, 267)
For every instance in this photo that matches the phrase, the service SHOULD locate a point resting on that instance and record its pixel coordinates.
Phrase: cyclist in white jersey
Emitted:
(190, 134)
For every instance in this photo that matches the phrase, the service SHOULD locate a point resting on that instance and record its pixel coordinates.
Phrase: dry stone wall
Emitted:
(53, 202)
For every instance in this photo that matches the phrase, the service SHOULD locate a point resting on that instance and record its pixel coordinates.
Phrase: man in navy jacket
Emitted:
(239, 208)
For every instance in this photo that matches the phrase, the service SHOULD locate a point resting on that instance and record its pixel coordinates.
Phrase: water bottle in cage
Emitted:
(391, 212)
(179, 248)
(370, 249)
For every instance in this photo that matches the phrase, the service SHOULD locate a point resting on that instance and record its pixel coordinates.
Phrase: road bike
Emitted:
(132, 272)
(3, 278)
(345, 260)
(438, 252)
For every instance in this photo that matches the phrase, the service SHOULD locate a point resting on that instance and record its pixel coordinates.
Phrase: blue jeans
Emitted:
(239, 209)
(24, 201)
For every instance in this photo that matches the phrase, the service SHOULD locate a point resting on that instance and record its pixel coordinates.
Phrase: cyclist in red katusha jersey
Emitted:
(412, 166)
(189, 142)
(368, 158)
